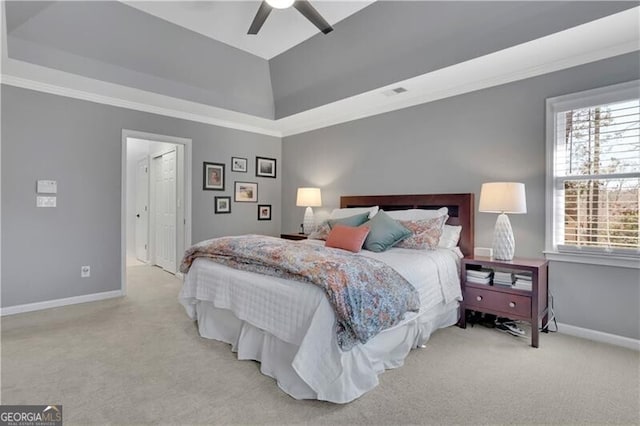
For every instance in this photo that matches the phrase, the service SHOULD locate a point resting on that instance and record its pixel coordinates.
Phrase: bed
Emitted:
(288, 326)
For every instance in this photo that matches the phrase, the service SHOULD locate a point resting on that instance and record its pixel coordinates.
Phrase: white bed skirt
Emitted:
(298, 372)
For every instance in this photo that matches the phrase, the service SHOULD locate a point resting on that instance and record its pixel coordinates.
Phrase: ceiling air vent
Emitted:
(394, 91)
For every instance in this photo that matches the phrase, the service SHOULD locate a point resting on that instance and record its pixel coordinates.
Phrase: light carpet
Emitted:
(140, 360)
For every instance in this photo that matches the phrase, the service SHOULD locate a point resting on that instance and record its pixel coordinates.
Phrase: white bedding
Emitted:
(300, 315)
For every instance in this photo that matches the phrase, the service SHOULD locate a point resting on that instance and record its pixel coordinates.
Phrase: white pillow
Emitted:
(450, 236)
(342, 213)
(417, 214)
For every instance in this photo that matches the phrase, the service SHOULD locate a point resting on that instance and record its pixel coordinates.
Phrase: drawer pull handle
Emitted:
(512, 304)
(478, 298)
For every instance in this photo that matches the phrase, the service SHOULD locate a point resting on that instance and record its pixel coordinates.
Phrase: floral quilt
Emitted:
(366, 294)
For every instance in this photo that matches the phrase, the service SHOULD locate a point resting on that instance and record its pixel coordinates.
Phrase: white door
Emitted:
(142, 210)
(165, 211)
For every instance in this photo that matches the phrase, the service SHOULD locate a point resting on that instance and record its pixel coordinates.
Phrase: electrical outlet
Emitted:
(85, 271)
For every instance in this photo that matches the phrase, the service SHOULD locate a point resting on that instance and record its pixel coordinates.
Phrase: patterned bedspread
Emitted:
(366, 294)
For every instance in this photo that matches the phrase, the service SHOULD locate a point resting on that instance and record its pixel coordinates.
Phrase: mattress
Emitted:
(296, 322)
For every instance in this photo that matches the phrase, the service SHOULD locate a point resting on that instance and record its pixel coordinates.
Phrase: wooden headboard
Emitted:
(461, 208)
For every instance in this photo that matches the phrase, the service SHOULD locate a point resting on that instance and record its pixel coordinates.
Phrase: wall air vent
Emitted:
(394, 91)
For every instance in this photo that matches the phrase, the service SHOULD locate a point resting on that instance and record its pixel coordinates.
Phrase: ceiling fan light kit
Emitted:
(280, 4)
(302, 6)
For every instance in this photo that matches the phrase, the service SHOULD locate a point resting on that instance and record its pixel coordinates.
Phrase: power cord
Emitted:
(551, 315)
(491, 321)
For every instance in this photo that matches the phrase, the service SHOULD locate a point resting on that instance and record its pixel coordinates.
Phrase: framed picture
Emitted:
(246, 192)
(238, 164)
(264, 211)
(223, 205)
(213, 174)
(266, 167)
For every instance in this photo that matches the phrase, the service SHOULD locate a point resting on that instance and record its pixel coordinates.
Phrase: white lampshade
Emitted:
(309, 197)
(503, 197)
(280, 4)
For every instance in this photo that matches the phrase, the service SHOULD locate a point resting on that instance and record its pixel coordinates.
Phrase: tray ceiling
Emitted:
(228, 21)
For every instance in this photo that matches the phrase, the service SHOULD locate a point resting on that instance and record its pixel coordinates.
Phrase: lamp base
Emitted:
(504, 245)
(308, 223)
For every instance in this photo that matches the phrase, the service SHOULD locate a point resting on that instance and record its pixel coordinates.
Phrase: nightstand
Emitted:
(516, 304)
(296, 237)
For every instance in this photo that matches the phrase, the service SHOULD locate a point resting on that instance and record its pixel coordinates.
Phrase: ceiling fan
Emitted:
(303, 6)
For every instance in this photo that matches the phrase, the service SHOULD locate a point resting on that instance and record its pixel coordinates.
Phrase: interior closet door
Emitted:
(142, 210)
(165, 211)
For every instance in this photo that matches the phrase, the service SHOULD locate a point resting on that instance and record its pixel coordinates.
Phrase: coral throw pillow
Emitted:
(347, 237)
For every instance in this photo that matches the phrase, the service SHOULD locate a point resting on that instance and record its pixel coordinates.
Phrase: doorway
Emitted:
(156, 207)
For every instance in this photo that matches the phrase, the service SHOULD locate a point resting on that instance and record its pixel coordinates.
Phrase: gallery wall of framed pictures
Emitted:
(244, 191)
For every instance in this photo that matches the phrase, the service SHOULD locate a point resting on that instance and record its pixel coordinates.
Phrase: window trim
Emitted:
(599, 96)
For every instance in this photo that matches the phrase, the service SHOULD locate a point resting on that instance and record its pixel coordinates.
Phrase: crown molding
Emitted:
(47, 80)
(600, 39)
(604, 38)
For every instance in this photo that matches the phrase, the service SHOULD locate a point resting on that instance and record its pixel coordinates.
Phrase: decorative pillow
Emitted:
(355, 220)
(450, 236)
(340, 213)
(425, 233)
(322, 232)
(418, 214)
(347, 237)
(385, 232)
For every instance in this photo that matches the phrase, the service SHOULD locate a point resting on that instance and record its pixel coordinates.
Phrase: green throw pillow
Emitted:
(384, 232)
(353, 221)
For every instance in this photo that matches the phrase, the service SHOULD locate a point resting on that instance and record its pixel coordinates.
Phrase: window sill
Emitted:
(594, 259)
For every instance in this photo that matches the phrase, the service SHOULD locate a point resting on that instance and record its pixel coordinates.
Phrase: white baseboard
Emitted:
(38, 306)
(599, 336)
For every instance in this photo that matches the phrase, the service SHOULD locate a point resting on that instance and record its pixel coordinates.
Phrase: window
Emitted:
(593, 176)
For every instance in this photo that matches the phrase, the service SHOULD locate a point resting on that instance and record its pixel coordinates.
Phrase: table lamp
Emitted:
(503, 197)
(308, 197)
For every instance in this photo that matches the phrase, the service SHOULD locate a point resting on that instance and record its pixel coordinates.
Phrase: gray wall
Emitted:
(78, 143)
(456, 144)
(144, 52)
(600, 298)
(388, 42)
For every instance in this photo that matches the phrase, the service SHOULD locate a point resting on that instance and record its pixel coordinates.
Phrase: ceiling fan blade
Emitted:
(260, 17)
(312, 15)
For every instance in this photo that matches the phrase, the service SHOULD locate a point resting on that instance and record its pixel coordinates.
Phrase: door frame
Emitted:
(187, 194)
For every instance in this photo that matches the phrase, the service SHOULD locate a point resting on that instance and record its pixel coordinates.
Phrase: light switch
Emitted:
(47, 187)
(45, 201)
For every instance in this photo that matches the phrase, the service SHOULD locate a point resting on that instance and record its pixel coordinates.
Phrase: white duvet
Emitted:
(300, 314)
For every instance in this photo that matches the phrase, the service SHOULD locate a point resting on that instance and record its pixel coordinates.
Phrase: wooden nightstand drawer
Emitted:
(509, 304)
